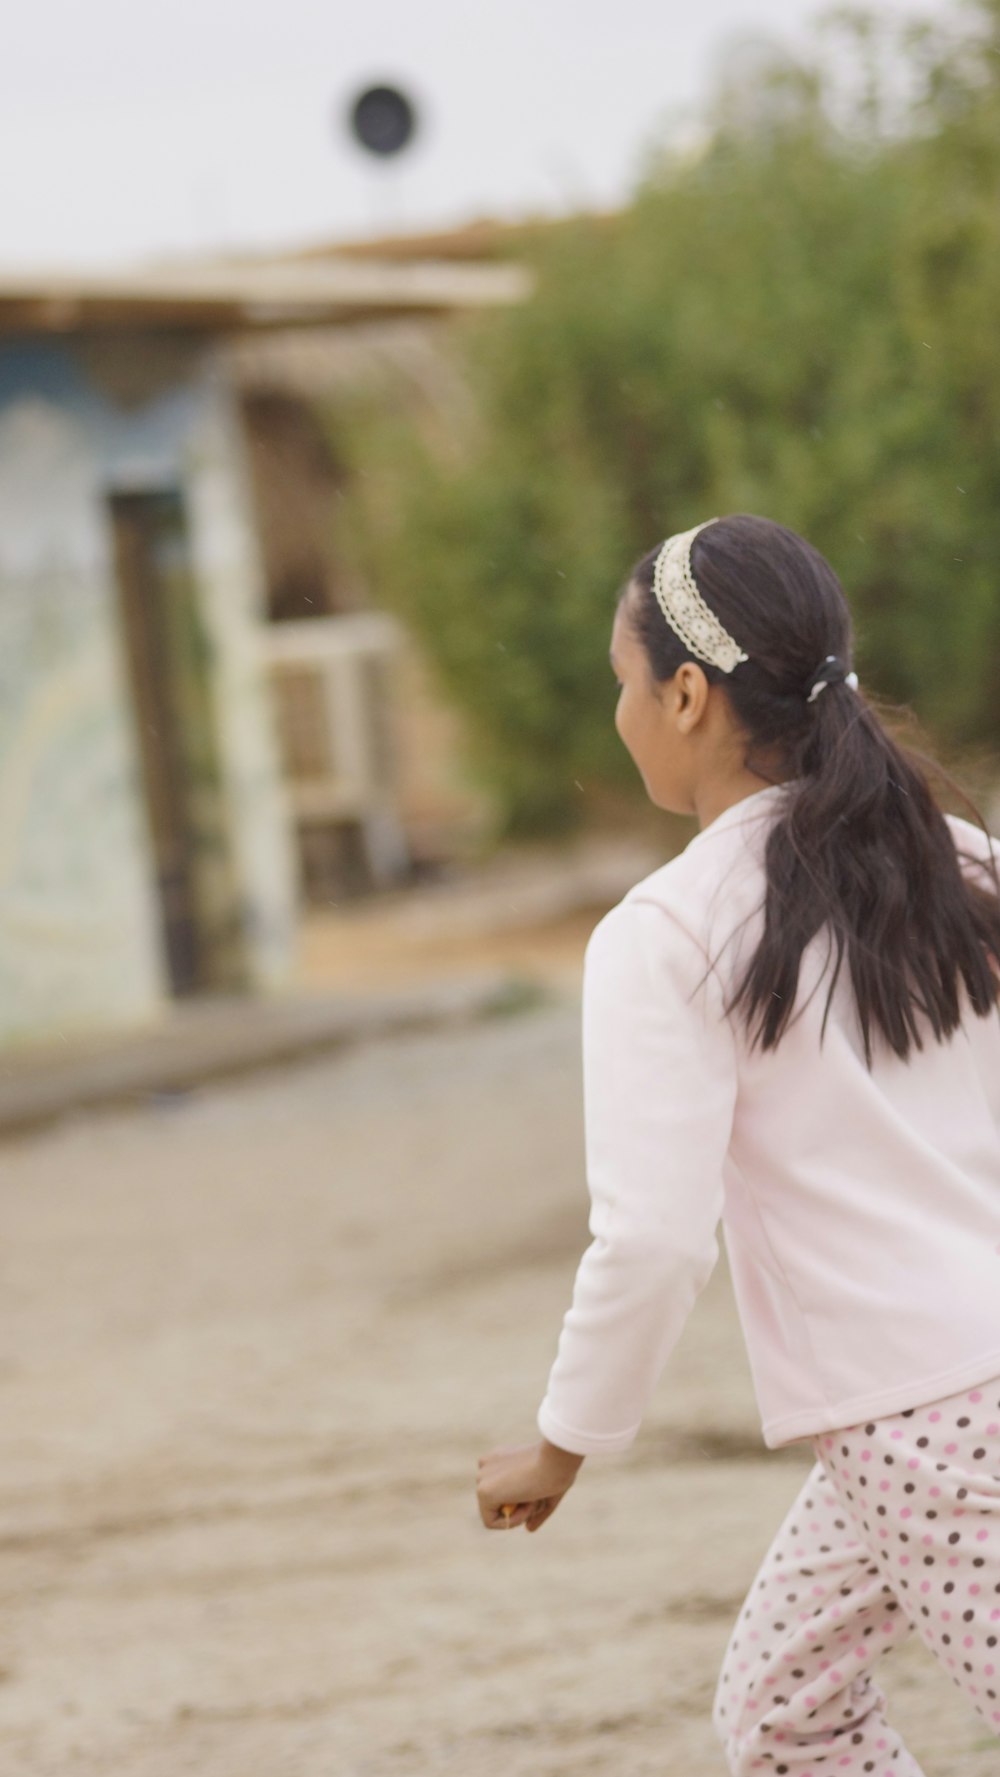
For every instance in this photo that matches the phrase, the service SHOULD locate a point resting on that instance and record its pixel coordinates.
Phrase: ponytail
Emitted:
(861, 850)
(864, 851)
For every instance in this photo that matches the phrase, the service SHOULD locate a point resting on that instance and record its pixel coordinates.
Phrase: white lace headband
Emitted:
(684, 608)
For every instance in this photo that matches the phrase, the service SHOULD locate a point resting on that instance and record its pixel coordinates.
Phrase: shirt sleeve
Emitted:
(978, 852)
(659, 1075)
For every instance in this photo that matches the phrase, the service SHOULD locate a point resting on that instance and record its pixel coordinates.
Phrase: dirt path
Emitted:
(251, 1347)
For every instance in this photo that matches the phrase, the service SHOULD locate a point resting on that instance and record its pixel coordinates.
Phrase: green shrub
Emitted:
(800, 320)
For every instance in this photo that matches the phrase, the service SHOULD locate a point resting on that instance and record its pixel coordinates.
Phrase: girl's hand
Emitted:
(530, 1477)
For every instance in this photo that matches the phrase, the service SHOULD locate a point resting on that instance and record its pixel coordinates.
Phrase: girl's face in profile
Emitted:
(643, 720)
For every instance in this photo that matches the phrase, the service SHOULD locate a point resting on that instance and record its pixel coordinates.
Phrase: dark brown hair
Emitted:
(862, 848)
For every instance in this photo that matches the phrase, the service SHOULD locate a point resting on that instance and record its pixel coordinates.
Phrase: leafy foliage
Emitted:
(800, 319)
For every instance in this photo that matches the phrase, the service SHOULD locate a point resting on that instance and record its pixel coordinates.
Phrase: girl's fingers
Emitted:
(531, 1513)
(510, 1516)
(504, 1517)
(543, 1510)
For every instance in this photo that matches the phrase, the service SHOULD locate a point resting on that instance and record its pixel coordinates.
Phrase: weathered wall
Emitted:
(231, 576)
(80, 944)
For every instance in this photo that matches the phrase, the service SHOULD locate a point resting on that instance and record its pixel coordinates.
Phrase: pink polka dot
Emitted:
(950, 1449)
(933, 1417)
(897, 1434)
(975, 1395)
(981, 1535)
(866, 1456)
(906, 1512)
(914, 1462)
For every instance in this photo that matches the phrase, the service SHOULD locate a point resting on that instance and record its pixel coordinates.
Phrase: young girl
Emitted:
(794, 1027)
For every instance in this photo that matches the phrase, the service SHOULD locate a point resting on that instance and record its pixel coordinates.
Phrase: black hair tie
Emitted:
(830, 671)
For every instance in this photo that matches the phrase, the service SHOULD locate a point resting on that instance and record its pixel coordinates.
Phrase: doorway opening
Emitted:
(169, 662)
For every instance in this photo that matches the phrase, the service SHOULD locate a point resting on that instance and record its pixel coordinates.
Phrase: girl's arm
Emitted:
(659, 1095)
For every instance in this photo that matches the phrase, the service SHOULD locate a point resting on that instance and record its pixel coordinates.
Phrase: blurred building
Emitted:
(202, 719)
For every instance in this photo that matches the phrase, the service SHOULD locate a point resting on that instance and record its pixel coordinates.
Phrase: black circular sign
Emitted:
(383, 119)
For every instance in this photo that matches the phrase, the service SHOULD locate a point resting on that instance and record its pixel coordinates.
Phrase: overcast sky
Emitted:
(136, 128)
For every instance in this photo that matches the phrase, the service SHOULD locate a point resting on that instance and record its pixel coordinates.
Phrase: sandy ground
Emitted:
(529, 910)
(251, 1347)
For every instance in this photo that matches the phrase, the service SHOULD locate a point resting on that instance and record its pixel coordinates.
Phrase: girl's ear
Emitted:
(691, 695)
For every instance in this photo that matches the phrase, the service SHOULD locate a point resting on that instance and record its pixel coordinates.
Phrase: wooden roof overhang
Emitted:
(250, 296)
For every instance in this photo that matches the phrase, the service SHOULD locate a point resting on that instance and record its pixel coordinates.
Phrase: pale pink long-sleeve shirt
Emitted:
(861, 1210)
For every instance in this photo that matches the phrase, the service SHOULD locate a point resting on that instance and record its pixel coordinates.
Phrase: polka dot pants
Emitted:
(896, 1529)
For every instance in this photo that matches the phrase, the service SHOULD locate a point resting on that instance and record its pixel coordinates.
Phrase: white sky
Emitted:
(131, 128)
